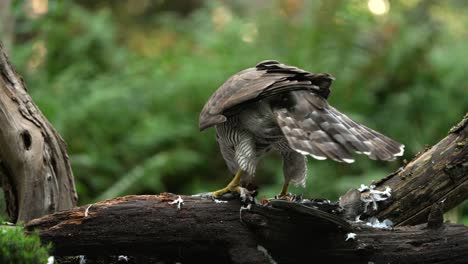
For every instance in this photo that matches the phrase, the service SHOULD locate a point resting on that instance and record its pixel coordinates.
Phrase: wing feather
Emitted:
(315, 128)
(266, 79)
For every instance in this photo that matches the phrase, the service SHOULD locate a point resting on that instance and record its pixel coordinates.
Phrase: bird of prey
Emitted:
(273, 106)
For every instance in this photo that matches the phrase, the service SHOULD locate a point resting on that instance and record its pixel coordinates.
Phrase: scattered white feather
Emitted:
(363, 188)
(358, 219)
(381, 195)
(179, 201)
(123, 258)
(374, 196)
(242, 209)
(50, 260)
(86, 212)
(82, 259)
(375, 223)
(350, 236)
(323, 202)
(219, 201)
(265, 252)
(243, 193)
(246, 195)
(245, 207)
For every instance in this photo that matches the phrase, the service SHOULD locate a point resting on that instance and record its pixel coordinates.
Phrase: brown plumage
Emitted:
(276, 106)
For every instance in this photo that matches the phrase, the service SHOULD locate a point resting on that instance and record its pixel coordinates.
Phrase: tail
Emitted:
(313, 127)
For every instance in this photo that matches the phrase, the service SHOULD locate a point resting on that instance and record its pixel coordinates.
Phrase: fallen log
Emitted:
(208, 230)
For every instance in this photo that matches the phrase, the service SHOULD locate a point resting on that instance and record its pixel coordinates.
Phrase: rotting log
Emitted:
(206, 230)
(439, 173)
(35, 172)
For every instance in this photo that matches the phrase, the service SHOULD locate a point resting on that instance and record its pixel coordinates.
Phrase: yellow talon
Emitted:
(284, 190)
(232, 187)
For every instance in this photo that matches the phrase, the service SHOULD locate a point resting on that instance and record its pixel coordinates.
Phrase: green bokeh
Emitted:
(18, 248)
(124, 84)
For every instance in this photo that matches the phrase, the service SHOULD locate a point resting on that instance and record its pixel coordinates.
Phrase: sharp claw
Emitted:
(211, 195)
(226, 196)
(206, 195)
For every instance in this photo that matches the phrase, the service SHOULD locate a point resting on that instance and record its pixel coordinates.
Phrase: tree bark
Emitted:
(439, 173)
(35, 172)
(204, 230)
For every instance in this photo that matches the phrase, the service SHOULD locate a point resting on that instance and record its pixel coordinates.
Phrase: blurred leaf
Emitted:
(125, 88)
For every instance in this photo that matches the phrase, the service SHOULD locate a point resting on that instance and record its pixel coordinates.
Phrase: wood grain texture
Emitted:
(439, 173)
(35, 172)
(203, 230)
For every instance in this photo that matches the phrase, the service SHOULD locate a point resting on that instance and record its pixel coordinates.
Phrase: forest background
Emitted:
(124, 81)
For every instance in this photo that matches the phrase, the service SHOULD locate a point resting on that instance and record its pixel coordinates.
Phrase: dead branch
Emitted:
(35, 173)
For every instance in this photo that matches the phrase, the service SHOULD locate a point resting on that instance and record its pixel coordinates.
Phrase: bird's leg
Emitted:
(294, 169)
(232, 186)
(284, 190)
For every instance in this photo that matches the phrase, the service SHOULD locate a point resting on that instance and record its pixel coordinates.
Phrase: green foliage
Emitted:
(18, 248)
(125, 90)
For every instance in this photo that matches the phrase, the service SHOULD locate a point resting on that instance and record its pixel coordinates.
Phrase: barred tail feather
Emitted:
(312, 127)
(308, 139)
(381, 146)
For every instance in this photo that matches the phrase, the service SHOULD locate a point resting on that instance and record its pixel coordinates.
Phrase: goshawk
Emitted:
(273, 106)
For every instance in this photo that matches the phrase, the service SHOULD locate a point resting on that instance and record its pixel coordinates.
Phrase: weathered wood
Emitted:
(204, 230)
(35, 172)
(439, 173)
(148, 225)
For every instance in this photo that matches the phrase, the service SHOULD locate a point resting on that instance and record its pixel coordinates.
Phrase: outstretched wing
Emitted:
(266, 79)
(313, 127)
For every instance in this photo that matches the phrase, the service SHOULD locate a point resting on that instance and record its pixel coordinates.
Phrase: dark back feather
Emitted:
(267, 78)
